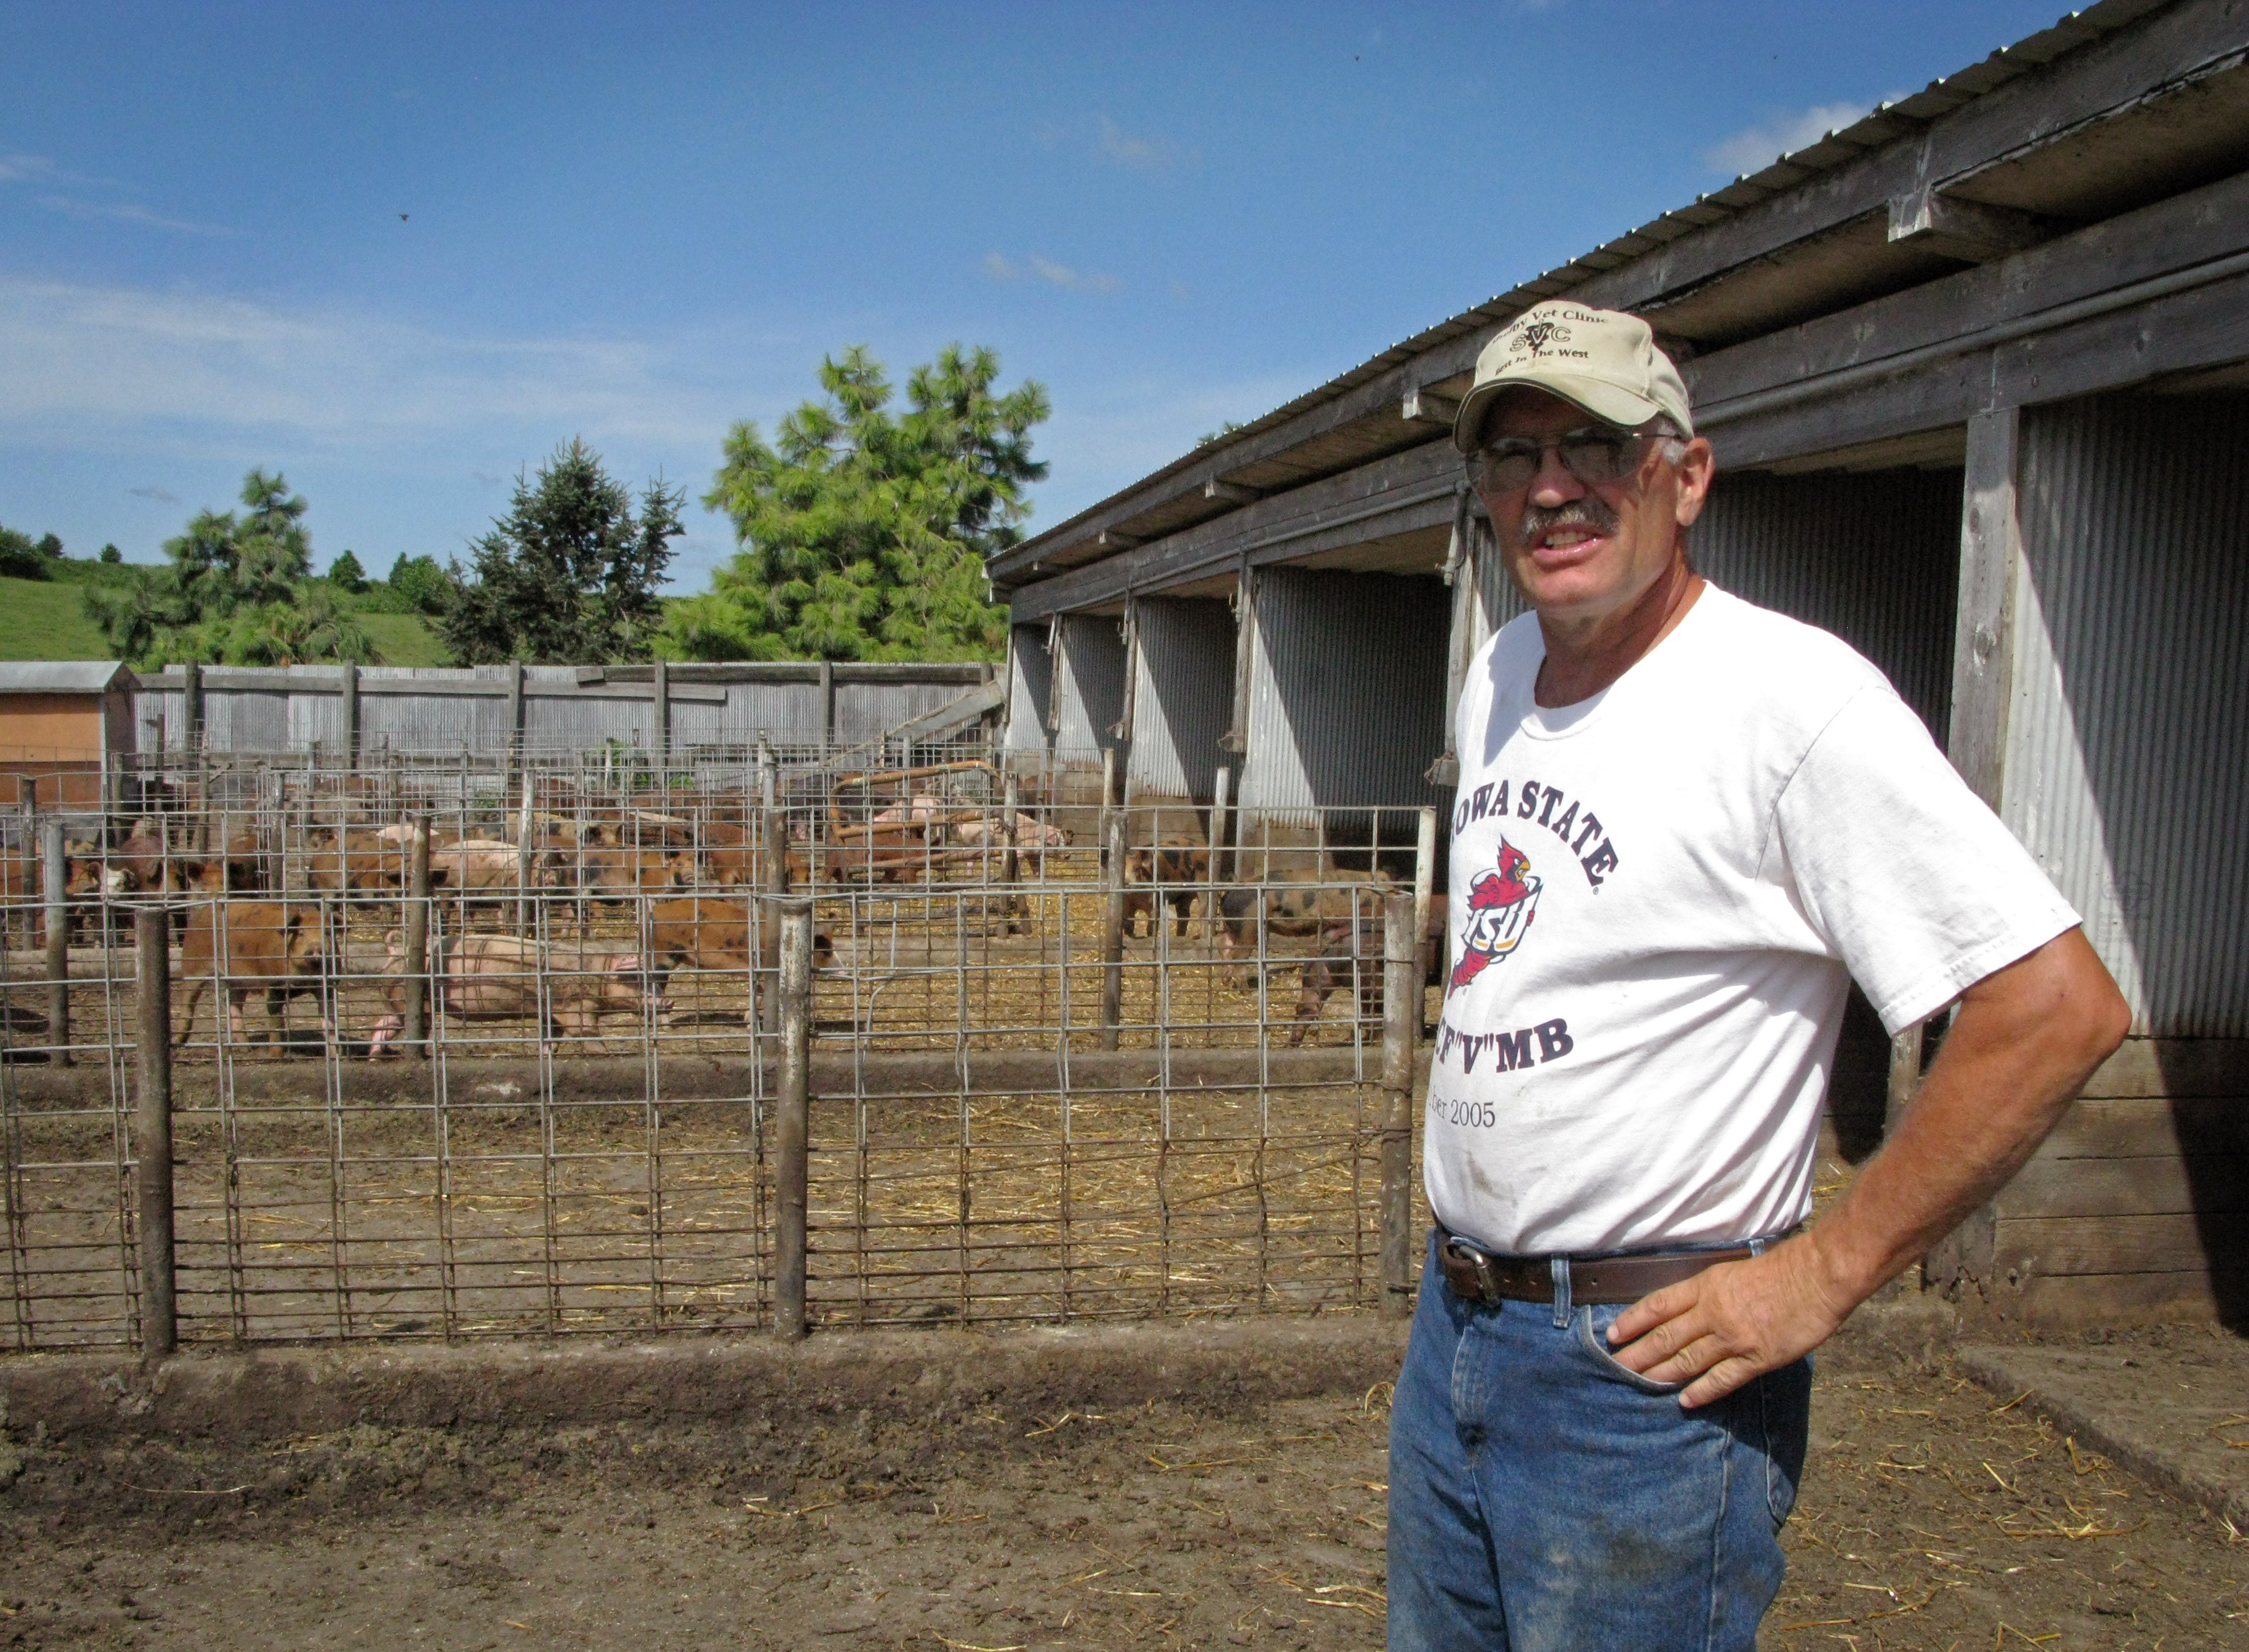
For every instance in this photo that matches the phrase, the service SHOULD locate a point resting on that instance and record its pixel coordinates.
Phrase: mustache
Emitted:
(1588, 512)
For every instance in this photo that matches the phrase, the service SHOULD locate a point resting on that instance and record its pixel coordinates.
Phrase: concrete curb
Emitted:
(2058, 1386)
(244, 1396)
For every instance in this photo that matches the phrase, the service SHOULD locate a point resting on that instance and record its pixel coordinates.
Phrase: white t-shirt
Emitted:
(1658, 898)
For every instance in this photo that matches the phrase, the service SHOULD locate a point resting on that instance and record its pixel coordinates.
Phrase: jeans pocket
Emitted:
(1784, 1407)
(1592, 1335)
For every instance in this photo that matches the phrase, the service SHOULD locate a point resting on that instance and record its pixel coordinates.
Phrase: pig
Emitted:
(250, 946)
(1166, 873)
(498, 978)
(700, 931)
(1356, 948)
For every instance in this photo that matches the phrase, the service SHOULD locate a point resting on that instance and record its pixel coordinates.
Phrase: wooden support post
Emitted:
(828, 702)
(152, 1131)
(1237, 738)
(1402, 1030)
(660, 717)
(515, 713)
(1983, 649)
(1905, 1076)
(792, 1119)
(1112, 932)
(191, 704)
(1460, 574)
(416, 1033)
(54, 873)
(349, 740)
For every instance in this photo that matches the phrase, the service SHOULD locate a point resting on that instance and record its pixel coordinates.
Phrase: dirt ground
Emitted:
(1934, 1515)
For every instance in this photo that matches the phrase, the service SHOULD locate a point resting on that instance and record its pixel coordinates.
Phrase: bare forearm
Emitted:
(2022, 1045)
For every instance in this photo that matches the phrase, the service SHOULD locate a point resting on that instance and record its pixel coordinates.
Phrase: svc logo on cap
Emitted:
(1602, 361)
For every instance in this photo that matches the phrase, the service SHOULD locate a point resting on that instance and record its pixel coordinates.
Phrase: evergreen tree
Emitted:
(419, 583)
(863, 534)
(570, 575)
(231, 591)
(345, 574)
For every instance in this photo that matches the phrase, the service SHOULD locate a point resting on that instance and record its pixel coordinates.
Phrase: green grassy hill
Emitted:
(43, 619)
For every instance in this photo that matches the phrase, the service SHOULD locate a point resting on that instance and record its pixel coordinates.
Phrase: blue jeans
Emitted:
(1544, 1498)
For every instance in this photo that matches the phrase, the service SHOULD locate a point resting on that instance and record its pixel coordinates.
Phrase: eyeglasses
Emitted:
(1597, 453)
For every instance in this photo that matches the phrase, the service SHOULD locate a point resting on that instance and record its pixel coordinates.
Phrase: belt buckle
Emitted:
(1485, 1276)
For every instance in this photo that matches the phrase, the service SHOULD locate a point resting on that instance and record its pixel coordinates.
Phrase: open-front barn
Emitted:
(1977, 372)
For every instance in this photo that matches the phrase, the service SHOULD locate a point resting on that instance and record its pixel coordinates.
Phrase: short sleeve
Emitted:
(1909, 875)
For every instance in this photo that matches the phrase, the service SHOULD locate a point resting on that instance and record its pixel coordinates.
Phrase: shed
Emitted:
(62, 723)
(1977, 371)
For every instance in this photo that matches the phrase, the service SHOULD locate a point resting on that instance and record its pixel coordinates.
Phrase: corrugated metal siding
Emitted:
(246, 719)
(864, 710)
(2128, 756)
(790, 714)
(1184, 701)
(1873, 557)
(1498, 600)
(1347, 691)
(1092, 667)
(1030, 688)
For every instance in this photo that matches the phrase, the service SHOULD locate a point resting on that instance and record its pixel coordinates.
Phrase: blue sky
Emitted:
(640, 223)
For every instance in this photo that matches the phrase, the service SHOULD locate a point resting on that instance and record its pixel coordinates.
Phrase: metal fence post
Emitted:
(1112, 930)
(791, 1117)
(54, 873)
(152, 1131)
(1425, 874)
(1401, 1028)
(1010, 865)
(416, 1013)
(1222, 783)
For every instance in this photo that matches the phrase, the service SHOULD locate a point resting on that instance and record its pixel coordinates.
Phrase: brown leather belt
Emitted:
(1479, 1275)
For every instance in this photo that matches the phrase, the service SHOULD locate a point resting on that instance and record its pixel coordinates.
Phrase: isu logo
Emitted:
(1501, 903)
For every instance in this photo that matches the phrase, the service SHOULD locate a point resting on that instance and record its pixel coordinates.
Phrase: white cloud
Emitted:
(79, 363)
(1753, 148)
(1141, 155)
(126, 212)
(1062, 275)
(999, 266)
(155, 491)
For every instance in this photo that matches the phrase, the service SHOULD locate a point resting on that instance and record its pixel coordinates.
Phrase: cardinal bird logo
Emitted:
(1500, 903)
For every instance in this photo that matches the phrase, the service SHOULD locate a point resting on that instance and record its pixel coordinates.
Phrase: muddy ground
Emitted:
(1934, 1515)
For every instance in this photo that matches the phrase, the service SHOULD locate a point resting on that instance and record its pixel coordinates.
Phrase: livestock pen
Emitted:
(456, 1046)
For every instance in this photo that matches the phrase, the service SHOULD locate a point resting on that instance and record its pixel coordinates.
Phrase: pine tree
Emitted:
(232, 591)
(863, 534)
(570, 575)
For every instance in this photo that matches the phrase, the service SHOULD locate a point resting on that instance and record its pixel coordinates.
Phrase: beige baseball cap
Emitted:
(1602, 361)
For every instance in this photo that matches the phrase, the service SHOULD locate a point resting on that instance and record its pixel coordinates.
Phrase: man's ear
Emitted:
(1696, 467)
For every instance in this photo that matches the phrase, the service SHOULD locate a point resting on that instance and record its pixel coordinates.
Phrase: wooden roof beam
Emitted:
(1968, 231)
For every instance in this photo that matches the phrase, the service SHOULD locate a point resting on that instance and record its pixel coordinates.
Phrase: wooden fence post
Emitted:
(1401, 1029)
(416, 1016)
(152, 1131)
(791, 1117)
(1112, 930)
(54, 874)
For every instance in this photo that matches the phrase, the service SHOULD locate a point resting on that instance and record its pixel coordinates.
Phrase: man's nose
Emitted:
(1556, 484)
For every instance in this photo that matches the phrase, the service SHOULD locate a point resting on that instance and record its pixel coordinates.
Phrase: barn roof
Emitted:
(63, 676)
(1737, 263)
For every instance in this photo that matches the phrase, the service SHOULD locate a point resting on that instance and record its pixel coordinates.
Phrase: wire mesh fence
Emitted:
(452, 1059)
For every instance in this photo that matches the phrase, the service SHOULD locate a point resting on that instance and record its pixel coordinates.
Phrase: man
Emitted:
(1683, 825)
